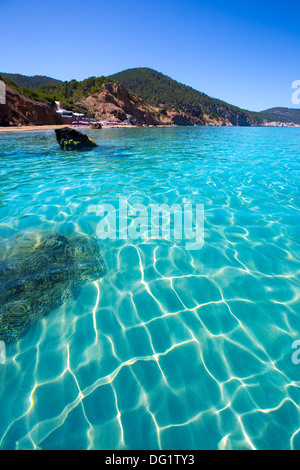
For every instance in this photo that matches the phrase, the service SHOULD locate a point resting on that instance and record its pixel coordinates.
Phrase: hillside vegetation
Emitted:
(283, 114)
(68, 93)
(33, 82)
(161, 90)
(167, 100)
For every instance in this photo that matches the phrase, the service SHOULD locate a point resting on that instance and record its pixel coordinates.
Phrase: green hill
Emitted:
(156, 88)
(283, 114)
(73, 91)
(30, 82)
(161, 90)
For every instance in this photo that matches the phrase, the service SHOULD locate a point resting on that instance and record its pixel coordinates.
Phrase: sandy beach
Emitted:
(13, 130)
(22, 129)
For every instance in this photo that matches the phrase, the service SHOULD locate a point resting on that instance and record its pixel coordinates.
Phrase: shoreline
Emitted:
(22, 129)
(48, 128)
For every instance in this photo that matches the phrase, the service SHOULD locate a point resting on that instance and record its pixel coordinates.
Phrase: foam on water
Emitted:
(172, 349)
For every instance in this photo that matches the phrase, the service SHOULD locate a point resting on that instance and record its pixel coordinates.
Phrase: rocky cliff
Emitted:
(114, 103)
(20, 110)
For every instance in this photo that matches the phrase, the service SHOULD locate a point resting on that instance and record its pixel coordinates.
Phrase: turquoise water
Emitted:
(172, 348)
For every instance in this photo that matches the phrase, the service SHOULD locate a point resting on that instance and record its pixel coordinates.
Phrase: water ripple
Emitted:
(172, 349)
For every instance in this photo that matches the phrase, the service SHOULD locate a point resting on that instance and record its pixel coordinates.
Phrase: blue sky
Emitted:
(246, 53)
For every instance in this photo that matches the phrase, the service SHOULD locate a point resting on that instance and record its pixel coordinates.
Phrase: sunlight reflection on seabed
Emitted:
(173, 348)
(186, 317)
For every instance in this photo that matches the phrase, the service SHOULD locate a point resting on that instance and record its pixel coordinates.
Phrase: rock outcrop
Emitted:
(114, 103)
(38, 273)
(96, 125)
(71, 139)
(20, 110)
(181, 120)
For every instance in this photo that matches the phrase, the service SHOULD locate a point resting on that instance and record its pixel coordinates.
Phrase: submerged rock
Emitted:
(96, 125)
(38, 273)
(71, 139)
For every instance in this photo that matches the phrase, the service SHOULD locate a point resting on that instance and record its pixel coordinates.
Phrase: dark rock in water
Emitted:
(71, 139)
(38, 273)
(181, 120)
(96, 125)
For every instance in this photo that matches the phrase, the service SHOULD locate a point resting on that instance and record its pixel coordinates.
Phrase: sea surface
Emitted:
(174, 348)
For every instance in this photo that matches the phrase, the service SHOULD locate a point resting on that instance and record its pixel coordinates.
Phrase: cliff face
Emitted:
(114, 103)
(22, 110)
(232, 117)
(285, 115)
